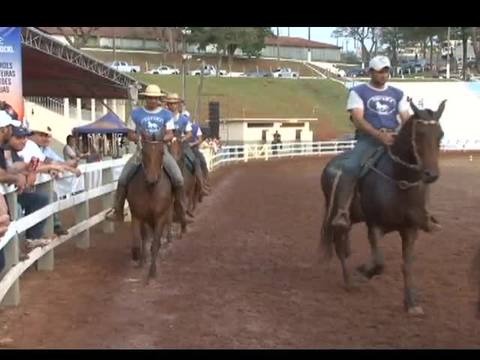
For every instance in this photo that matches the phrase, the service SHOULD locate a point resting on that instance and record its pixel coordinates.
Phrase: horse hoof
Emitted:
(416, 311)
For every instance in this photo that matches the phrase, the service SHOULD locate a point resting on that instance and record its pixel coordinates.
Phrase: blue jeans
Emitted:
(354, 159)
(31, 202)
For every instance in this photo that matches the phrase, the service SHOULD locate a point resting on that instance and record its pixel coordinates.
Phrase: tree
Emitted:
(475, 33)
(81, 35)
(251, 40)
(362, 35)
(392, 37)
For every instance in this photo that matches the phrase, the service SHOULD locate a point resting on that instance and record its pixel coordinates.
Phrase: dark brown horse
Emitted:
(150, 199)
(189, 179)
(392, 196)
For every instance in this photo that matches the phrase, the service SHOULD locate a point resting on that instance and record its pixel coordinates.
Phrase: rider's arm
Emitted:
(169, 127)
(356, 108)
(404, 109)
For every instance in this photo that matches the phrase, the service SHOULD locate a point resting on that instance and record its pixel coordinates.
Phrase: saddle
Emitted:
(371, 160)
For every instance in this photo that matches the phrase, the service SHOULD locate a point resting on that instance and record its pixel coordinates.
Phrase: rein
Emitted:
(404, 184)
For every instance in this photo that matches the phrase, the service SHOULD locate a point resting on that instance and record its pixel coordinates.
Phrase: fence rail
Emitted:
(99, 180)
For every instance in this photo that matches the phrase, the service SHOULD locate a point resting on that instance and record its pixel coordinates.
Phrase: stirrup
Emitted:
(341, 219)
(113, 215)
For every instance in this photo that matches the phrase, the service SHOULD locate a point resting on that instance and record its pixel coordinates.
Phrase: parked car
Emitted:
(353, 73)
(259, 74)
(124, 66)
(208, 70)
(164, 70)
(284, 73)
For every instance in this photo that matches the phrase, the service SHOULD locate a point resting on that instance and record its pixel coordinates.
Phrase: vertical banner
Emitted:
(11, 90)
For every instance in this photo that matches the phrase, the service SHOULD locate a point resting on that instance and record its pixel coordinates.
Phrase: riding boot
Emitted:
(179, 204)
(117, 214)
(343, 200)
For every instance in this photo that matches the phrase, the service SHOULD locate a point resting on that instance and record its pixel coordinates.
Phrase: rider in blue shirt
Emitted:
(374, 108)
(150, 119)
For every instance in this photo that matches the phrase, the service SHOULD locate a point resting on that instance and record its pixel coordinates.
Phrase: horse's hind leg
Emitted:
(377, 264)
(408, 240)
(343, 252)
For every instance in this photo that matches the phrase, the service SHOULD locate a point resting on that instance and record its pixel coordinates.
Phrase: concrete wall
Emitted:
(239, 133)
(302, 53)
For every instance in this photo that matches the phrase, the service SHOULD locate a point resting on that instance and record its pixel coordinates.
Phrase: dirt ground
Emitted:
(247, 276)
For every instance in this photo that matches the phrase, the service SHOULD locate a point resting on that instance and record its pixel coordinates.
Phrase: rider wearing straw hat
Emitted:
(184, 126)
(151, 119)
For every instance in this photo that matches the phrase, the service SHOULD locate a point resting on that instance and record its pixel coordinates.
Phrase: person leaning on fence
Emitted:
(30, 200)
(71, 152)
(374, 108)
(150, 119)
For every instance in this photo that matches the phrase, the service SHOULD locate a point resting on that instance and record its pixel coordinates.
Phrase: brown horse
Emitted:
(189, 179)
(150, 199)
(391, 197)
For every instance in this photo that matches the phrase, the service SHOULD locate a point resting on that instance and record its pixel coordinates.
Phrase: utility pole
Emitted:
(185, 57)
(288, 31)
(448, 53)
(114, 48)
(278, 46)
(309, 55)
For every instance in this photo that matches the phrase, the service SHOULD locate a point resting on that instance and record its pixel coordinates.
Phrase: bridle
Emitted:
(404, 184)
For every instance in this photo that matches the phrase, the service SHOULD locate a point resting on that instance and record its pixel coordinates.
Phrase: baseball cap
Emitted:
(379, 62)
(6, 119)
(21, 131)
(45, 129)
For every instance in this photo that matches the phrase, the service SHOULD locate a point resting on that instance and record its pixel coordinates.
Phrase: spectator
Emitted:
(30, 201)
(6, 127)
(71, 152)
(39, 142)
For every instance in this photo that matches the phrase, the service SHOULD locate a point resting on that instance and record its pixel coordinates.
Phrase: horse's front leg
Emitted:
(377, 264)
(156, 243)
(136, 239)
(409, 235)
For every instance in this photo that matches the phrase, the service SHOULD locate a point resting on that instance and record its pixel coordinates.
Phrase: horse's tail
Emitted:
(327, 236)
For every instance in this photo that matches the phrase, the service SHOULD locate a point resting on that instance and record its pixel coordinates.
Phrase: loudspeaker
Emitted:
(214, 118)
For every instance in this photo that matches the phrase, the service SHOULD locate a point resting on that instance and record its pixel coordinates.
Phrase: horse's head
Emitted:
(176, 148)
(152, 156)
(421, 136)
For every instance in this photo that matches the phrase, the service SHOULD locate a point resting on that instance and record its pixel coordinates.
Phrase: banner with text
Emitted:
(11, 90)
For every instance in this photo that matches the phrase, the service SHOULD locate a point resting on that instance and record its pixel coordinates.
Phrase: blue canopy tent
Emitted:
(103, 136)
(110, 123)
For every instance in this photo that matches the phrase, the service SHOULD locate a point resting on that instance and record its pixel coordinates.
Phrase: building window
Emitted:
(264, 136)
(292, 125)
(298, 135)
(253, 125)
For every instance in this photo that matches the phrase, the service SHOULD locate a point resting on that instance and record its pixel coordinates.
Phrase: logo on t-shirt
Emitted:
(383, 105)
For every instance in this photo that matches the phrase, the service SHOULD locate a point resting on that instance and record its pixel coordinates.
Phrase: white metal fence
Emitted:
(100, 180)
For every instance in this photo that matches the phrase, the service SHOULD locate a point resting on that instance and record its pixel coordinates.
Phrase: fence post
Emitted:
(47, 261)
(265, 149)
(245, 152)
(107, 199)
(82, 212)
(12, 255)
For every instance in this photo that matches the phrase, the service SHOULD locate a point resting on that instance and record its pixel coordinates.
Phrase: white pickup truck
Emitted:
(208, 70)
(124, 66)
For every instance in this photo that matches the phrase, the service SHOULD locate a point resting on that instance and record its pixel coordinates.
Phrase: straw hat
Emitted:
(173, 98)
(153, 90)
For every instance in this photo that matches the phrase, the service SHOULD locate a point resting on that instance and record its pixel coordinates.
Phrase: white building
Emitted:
(260, 130)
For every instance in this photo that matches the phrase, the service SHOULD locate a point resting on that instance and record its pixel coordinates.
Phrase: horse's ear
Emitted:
(159, 135)
(414, 107)
(143, 135)
(439, 112)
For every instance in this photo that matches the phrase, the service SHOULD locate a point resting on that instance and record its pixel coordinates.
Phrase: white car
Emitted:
(208, 70)
(164, 70)
(285, 73)
(124, 66)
